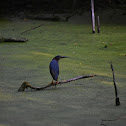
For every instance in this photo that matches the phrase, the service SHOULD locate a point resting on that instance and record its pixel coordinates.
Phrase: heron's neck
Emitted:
(56, 59)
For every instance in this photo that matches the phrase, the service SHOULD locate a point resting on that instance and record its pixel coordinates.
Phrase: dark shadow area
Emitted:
(50, 9)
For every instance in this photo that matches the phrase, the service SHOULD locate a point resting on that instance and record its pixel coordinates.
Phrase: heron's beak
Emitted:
(64, 57)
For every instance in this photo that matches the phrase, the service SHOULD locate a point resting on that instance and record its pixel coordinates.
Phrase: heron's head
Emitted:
(57, 58)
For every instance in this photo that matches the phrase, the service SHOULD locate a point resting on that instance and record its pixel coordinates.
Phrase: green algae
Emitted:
(87, 55)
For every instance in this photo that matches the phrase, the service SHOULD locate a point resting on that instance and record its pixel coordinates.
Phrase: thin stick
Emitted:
(27, 85)
(32, 28)
(116, 93)
(98, 24)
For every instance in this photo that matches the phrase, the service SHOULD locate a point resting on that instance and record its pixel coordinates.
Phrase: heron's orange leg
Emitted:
(52, 82)
(57, 81)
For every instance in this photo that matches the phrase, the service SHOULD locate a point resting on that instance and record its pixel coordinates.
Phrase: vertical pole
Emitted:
(93, 16)
(116, 93)
(98, 24)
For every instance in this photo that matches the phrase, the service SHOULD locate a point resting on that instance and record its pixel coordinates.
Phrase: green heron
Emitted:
(54, 67)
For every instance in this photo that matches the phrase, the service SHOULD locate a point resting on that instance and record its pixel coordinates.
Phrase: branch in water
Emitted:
(26, 85)
(32, 28)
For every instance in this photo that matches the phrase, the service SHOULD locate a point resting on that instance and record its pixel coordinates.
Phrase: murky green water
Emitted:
(84, 102)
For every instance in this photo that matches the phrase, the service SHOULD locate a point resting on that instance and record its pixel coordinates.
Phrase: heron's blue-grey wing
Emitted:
(54, 69)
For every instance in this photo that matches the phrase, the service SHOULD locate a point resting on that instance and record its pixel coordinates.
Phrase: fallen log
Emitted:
(9, 39)
(26, 85)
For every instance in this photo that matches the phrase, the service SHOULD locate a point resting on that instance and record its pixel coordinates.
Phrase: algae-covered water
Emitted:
(83, 102)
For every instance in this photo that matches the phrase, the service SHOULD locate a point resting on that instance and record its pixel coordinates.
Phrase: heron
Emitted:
(54, 67)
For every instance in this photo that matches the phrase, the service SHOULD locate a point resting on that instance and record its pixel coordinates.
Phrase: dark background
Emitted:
(14, 7)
